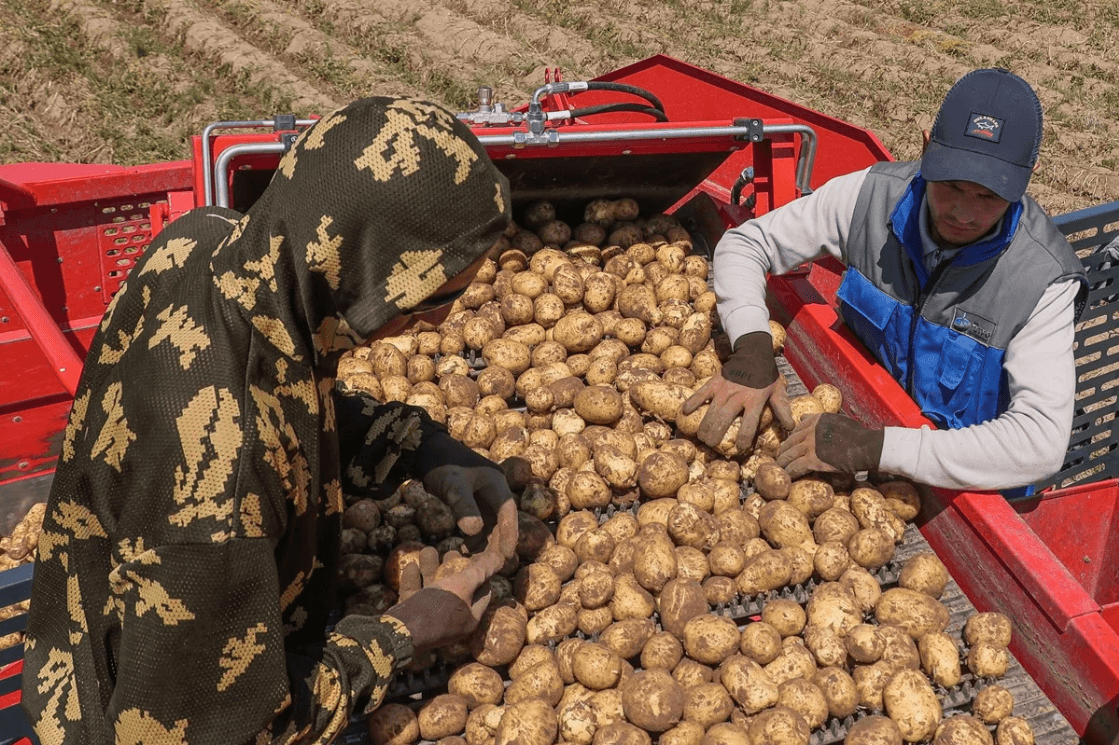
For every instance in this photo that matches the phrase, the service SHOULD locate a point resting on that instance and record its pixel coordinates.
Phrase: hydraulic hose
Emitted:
(626, 88)
(604, 108)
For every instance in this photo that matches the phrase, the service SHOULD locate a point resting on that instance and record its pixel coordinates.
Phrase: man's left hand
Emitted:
(830, 443)
(482, 502)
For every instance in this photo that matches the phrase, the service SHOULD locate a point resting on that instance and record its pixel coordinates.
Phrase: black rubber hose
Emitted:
(625, 88)
(604, 108)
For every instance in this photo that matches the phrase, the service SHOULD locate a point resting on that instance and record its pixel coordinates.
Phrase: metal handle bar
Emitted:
(805, 161)
(207, 172)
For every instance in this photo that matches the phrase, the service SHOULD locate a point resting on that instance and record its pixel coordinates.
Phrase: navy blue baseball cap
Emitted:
(988, 131)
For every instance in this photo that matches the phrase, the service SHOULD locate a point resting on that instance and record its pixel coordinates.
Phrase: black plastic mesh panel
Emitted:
(1092, 454)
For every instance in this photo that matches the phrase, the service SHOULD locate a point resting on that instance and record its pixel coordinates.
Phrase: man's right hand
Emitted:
(438, 612)
(747, 381)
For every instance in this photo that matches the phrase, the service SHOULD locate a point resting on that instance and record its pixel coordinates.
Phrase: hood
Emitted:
(372, 209)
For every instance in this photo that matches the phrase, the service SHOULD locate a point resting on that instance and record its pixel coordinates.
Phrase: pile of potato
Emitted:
(15, 549)
(567, 361)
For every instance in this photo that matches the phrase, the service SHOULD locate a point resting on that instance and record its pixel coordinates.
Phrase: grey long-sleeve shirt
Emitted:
(1023, 445)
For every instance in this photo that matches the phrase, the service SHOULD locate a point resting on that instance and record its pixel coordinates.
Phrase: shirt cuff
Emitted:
(901, 447)
(745, 320)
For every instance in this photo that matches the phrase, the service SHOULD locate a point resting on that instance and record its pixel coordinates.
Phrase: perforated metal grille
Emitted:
(1092, 455)
(124, 231)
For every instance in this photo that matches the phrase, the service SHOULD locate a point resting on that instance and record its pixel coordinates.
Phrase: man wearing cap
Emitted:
(957, 282)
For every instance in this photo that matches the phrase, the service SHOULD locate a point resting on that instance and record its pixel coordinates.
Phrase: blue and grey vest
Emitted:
(943, 337)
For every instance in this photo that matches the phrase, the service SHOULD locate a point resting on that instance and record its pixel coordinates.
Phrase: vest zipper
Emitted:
(922, 298)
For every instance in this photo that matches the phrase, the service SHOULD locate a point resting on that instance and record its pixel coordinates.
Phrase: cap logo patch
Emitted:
(983, 127)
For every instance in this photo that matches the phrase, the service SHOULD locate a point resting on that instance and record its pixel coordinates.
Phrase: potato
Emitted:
(831, 561)
(768, 570)
(839, 691)
(748, 684)
(621, 733)
(760, 642)
(870, 680)
(655, 563)
(599, 404)
(915, 612)
(394, 724)
(662, 651)
(528, 722)
(578, 332)
(1014, 731)
(690, 673)
(595, 545)
(443, 716)
(772, 482)
(710, 639)
(785, 616)
(806, 699)
(812, 496)
(726, 559)
(691, 563)
(993, 704)
(987, 661)
(655, 397)
(500, 636)
(537, 586)
(962, 730)
(871, 548)
(988, 628)
(630, 599)
(726, 733)
(541, 680)
(902, 498)
(793, 661)
(690, 526)
(653, 700)
(628, 637)
(707, 704)
(593, 621)
(596, 589)
(940, 659)
(680, 601)
(783, 525)
(874, 730)
(864, 644)
(684, 733)
(912, 704)
(587, 491)
(863, 587)
(477, 685)
(835, 524)
(552, 624)
(577, 723)
(825, 645)
(898, 649)
(779, 726)
(833, 607)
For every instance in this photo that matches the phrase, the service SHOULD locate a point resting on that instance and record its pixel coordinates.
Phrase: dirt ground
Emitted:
(128, 81)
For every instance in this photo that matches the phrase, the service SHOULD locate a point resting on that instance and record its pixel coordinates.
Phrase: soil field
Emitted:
(128, 81)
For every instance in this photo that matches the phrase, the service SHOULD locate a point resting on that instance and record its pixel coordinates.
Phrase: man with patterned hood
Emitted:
(187, 564)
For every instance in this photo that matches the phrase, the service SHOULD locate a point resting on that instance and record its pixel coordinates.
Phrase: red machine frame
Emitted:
(69, 234)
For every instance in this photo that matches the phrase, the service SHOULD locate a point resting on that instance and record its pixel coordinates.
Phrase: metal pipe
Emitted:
(803, 171)
(207, 172)
(221, 185)
(805, 162)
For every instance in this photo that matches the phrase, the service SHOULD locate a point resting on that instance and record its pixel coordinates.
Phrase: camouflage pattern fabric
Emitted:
(190, 547)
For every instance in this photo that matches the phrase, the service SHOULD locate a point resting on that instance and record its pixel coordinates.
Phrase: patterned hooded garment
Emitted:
(187, 563)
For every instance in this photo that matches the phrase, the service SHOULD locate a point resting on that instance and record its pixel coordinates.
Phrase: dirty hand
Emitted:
(830, 443)
(747, 381)
(482, 502)
(439, 612)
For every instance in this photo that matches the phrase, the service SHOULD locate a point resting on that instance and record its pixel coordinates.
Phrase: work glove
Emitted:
(748, 380)
(440, 612)
(830, 443)
(476, 491)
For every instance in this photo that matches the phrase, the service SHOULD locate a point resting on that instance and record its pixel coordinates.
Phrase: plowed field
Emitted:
(128, 81)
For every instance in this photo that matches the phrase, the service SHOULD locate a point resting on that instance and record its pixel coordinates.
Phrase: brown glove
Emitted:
(830, 443)
(439, 612)
(747, 381)
(476, 491)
